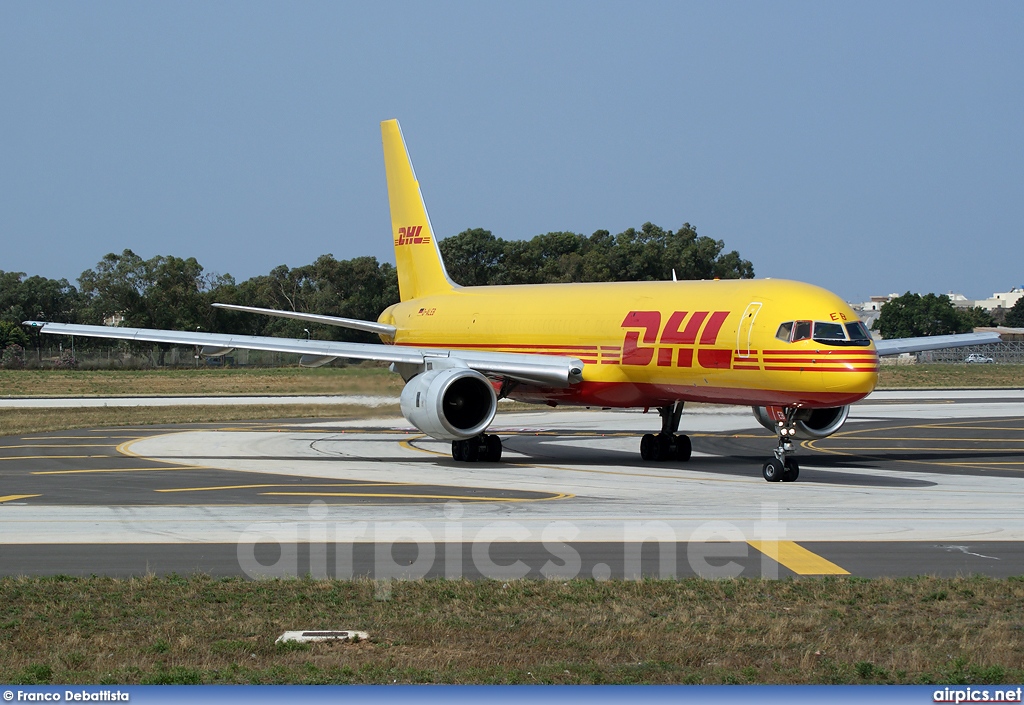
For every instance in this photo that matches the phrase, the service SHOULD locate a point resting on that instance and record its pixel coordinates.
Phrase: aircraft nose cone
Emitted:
(856, 379)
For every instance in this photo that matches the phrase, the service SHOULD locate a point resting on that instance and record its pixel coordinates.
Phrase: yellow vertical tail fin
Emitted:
(420, 269)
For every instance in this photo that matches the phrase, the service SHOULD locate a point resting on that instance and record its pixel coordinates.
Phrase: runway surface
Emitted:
(915, 483)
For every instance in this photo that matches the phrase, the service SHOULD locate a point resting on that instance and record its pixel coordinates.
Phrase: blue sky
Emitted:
(867, 147)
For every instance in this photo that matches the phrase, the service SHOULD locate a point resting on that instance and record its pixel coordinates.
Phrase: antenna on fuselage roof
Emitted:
(674, 275)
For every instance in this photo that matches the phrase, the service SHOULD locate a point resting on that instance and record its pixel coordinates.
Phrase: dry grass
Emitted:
(950, 376)
(200, 382)
(340, 381)
(202, 630)
(18, 421)
(379, 381)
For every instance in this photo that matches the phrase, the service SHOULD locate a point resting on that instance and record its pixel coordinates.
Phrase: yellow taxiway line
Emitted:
(58, 445)
(72, 438)
(103, 470)
(57, 457)
(13, 497)
(797, 558)
(371, 495)
(384, 495)
(248, 487)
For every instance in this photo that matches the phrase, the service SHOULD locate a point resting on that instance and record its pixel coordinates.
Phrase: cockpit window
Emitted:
(858, 333)
(801, 330)
(853, 333)
(828, 332)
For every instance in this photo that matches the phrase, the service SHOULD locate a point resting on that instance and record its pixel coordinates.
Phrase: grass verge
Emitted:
(200, 382)
(18, 421)
(204, 630)
(950, 376)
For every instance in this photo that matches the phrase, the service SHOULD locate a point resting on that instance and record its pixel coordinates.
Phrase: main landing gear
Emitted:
(667, 445)
(485, 447)
(782, 466)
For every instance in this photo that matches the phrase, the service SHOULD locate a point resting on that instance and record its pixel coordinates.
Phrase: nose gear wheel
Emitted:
(783, 467)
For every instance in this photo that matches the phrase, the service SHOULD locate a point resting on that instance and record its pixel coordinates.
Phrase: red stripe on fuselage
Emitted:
(629, 394)
(821, 359)
(817, 368)
(819, 351)
(499, 346)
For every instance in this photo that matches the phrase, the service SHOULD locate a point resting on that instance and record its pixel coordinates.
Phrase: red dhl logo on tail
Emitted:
(411, 236)
(675, 333)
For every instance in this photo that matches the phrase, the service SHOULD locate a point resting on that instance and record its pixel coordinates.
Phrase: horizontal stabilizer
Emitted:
(898, 346)
(354, 323)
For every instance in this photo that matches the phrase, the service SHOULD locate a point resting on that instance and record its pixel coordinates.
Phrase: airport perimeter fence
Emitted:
(1009, 352)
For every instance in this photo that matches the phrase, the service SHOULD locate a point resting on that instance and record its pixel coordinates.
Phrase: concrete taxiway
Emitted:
(915, 483)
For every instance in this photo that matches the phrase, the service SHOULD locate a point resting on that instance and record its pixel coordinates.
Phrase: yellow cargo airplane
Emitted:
(794, 352)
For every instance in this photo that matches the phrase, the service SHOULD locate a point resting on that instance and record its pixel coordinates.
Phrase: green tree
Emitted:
(472, 257)
(161, 292)
(173, 294)
(976, 317)
(23, 298)
(1015, 316)
(115, 286)
(13, 342)
(476, 257)
(12, 334)
(357, 288)
(913, 315)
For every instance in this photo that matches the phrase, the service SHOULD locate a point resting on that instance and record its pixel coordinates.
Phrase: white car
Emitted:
(978, 357)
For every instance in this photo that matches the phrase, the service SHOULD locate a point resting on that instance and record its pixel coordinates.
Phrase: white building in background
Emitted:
(960, 301)
(874, 304)
(1006, 299)
(1003, 299)
(870, 310)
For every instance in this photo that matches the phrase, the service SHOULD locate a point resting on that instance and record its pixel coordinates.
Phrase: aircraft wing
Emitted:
(355, 323)
(897, 346)
(544, 370)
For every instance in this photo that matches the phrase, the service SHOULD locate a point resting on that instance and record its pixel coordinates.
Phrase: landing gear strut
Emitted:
(782, 466)
(667, 445)
(485, 447)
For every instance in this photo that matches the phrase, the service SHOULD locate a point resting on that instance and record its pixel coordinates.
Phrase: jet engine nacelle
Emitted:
(450, 404)
(810, 424)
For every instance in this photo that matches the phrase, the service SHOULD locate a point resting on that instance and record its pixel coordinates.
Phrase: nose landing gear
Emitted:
(667, 445)
(782, 466)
